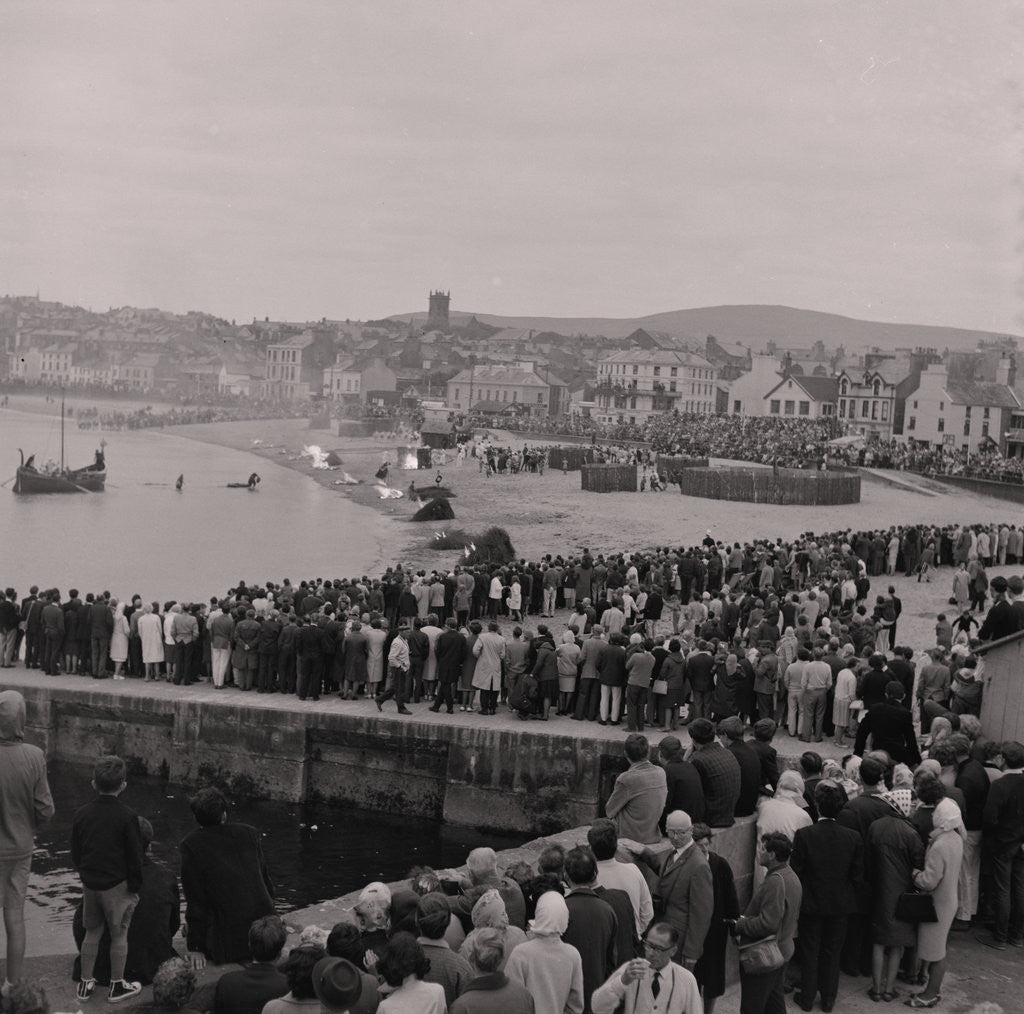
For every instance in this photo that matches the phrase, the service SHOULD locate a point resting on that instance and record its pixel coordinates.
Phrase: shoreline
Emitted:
(549, 514)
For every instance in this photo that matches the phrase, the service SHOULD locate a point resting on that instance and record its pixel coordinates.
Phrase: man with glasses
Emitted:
(653, 984)
(684, 895)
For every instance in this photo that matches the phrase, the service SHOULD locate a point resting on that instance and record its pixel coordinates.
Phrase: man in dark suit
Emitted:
(761, 744)
(245, 991)
(684, 895)
(225, 880)
(593, 925)
(829, 859)
(684, 787)
(731, 729)
(891, 727)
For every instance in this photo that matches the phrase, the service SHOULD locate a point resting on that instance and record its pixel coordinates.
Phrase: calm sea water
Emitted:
(143, 536)
(348, 849)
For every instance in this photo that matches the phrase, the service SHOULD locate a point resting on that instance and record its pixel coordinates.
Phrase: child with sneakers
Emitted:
(106, 850)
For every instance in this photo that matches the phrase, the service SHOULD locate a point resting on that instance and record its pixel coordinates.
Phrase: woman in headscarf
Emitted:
(567, 655)
(550, 969)
(832, 770)
(784, 813)
(893, 852)
(489, 913)
(939, 879)
(373, 916)
(119, 642)
(941, 728)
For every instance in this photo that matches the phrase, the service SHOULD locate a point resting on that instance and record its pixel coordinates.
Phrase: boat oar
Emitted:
(4, 483)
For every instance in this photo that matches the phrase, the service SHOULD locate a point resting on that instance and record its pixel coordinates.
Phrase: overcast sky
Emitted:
(301, 159)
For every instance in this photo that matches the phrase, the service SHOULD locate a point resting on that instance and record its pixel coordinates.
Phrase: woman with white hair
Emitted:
(939, 879)
(489, 913)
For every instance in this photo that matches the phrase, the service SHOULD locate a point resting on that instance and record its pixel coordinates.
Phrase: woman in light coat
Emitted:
(119, 642)
(489, 650)
(568, 655)
(151, 630)
(939, 878)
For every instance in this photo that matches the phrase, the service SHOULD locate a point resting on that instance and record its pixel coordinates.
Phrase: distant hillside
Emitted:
(756, 325)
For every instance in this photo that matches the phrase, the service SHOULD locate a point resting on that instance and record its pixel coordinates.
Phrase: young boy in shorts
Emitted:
(106, 850)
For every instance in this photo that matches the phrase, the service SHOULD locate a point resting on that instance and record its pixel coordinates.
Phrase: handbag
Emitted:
(761, 956)
(914, 906)
(659, 687)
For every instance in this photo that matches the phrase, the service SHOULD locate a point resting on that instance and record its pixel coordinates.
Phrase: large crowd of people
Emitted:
(785, 442)
(740, 642)
(183, 415)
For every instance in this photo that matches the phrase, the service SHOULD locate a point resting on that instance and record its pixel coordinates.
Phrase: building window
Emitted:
(515, 396)
(458, 394)
(941, 426)
(967, 412)
(864, 405)
(636, 370)
(843, 387)
(789, 408)
(504, 395)
(874, 410)
(877, 389)
(736, 407)
(657, 371)
(671, 385)
(774, 407)
(942, 406)
(540, 398)
(842, 408)
(805, 408)
(915, 404)
(673, 372)
(967, 427)
(885, 411)
(984, 415)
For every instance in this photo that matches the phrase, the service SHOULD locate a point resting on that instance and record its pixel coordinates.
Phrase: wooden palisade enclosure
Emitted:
(608, 478)
(771, 486)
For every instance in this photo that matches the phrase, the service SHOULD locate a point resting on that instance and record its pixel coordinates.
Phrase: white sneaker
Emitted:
(122, 989)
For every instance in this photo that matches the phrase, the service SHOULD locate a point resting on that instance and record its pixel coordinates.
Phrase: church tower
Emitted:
(438, 318)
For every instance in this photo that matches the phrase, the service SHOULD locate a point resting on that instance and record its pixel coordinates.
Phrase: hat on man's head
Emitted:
(999, 584)
(337, 983)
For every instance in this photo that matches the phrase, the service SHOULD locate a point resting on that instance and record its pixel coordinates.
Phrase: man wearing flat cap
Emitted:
(1002, 619)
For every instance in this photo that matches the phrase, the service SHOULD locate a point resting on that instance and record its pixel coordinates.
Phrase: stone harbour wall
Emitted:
(500, 779)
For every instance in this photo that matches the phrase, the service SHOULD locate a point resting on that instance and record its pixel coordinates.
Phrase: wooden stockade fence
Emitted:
(608, 478)
(569, 459)
(772, 486)
(671, 465)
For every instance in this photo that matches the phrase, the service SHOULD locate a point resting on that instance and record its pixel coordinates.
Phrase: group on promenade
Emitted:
(724, 629)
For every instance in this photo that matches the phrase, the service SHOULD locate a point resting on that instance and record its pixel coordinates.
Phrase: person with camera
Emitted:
(767, 928)
(653, 984)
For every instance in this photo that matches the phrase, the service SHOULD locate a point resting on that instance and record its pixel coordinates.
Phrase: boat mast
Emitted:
(62, 429)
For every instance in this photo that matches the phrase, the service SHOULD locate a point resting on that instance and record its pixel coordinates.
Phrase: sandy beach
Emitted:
(550, 513)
